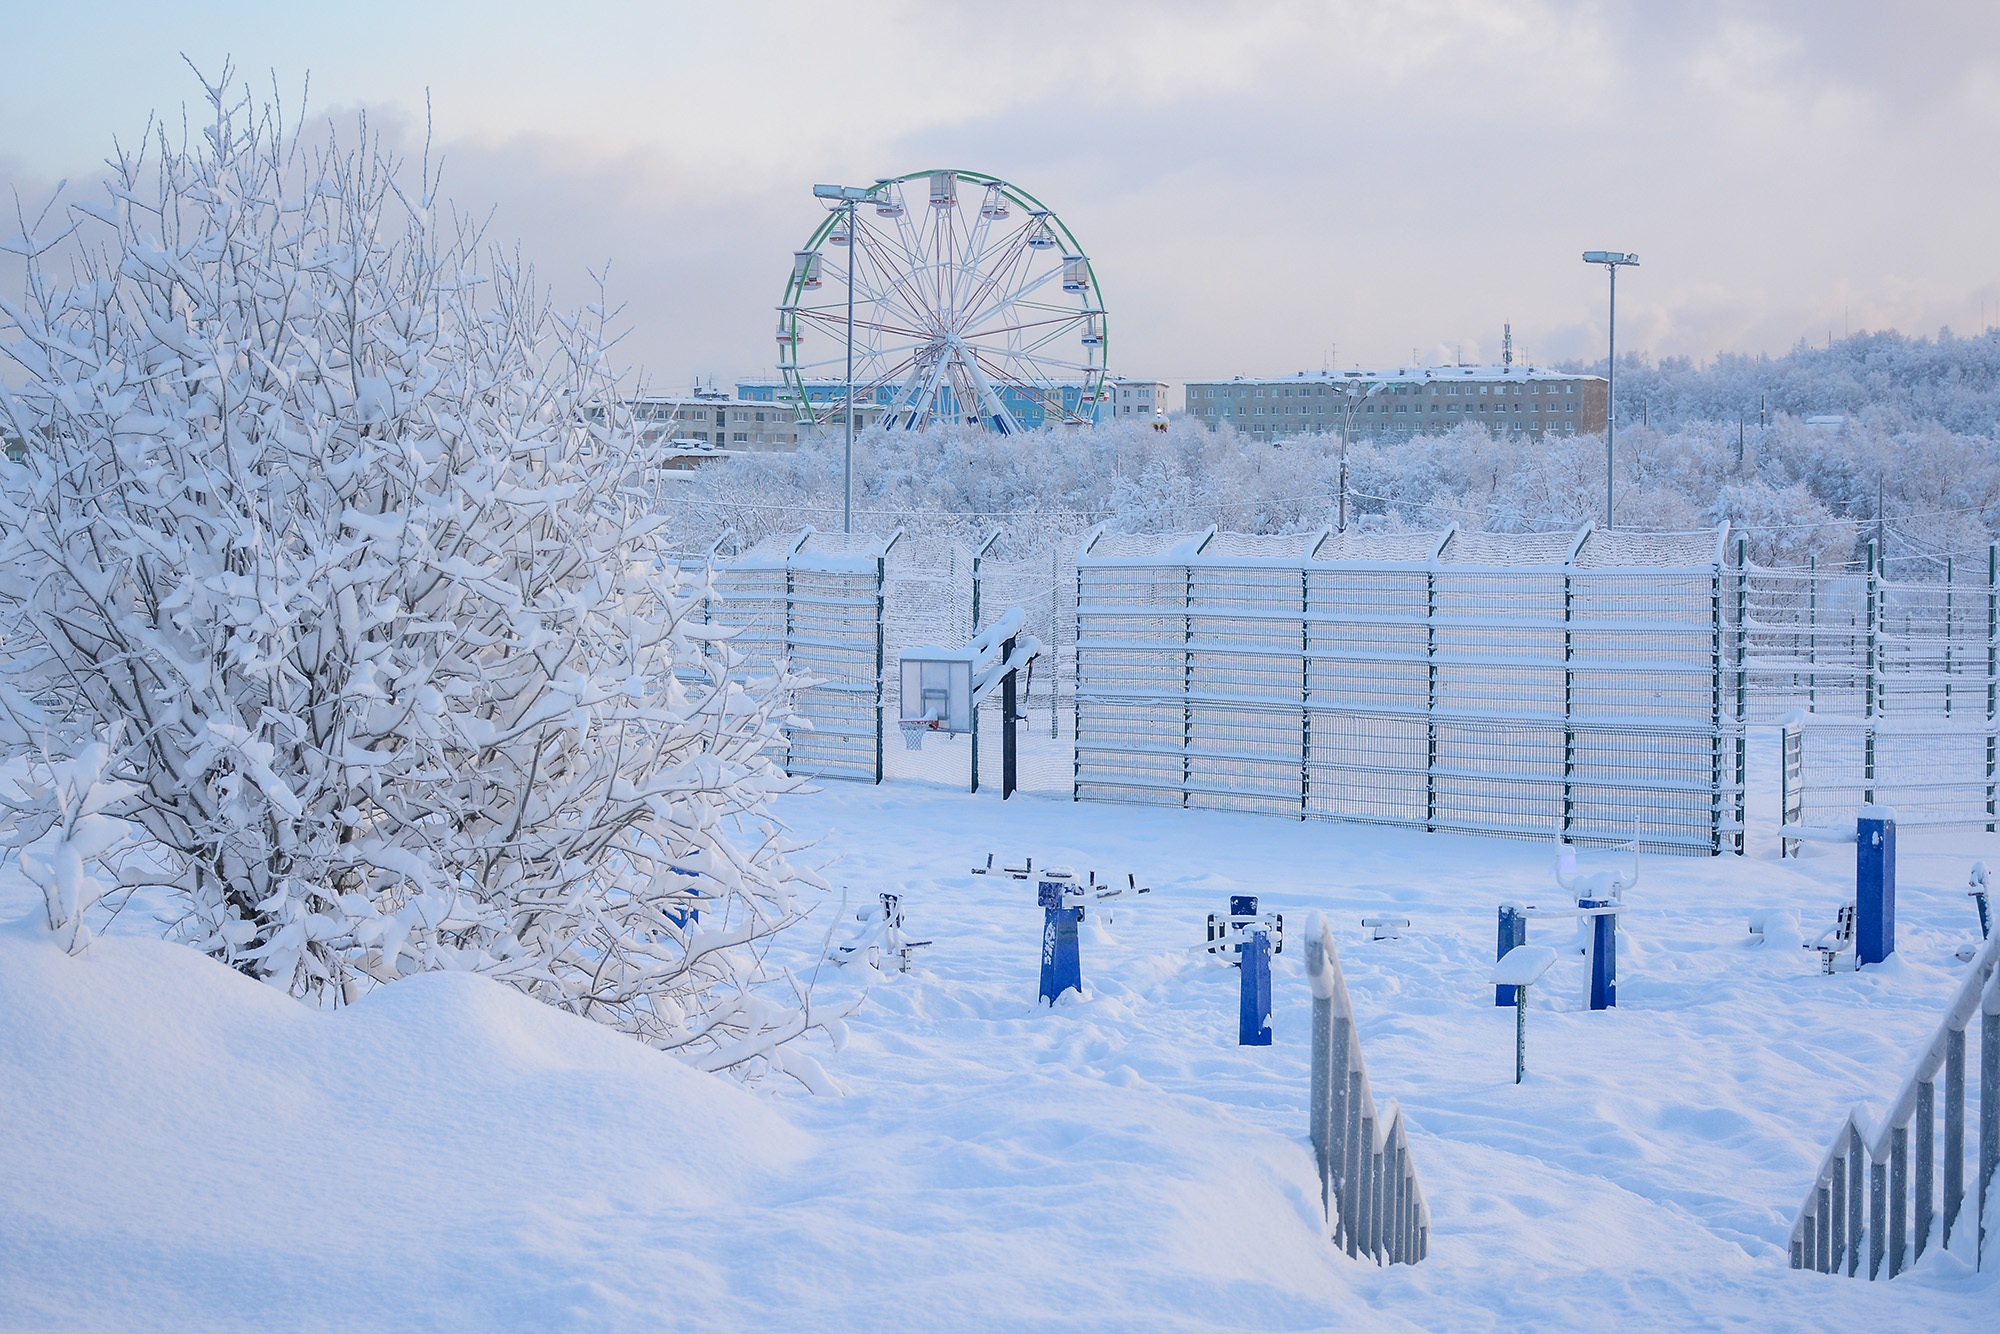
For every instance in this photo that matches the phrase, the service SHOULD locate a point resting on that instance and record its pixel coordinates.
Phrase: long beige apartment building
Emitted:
(1528, 401)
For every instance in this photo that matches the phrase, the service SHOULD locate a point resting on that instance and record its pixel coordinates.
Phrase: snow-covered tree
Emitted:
(324, 566)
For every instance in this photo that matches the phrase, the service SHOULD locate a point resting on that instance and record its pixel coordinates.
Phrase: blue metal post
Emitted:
(1513, 931)
(1874, 886)
(1603, 955)
(1254, 1026)
(1062, 965)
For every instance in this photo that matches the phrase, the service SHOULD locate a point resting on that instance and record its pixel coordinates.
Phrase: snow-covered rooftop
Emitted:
(1407, 375)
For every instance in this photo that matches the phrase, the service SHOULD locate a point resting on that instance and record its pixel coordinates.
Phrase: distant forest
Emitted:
(1885, 380)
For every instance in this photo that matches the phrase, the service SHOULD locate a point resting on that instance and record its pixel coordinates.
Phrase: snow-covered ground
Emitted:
(183, 1148)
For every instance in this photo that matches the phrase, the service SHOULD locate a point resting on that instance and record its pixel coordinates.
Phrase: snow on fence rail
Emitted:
(1473, 682)
(1369, 1191)
(1828, 1233)
(1887, 690)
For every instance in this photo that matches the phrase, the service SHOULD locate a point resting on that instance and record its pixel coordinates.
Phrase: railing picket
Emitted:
(1371, 1163)
(1370, 1192)
(1823, 1230)
(1954, 1128)
(1899, 1197)
(1926, 1148)
(1352, 1159)
(1878, 1209)
(1376, 1185)
(1855, 1182)
(1836, 1217)
(1989, 1110)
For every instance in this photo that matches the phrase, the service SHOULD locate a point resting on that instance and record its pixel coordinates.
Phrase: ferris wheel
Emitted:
(972, 303)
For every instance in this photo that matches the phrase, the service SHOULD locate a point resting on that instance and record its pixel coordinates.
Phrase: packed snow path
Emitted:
(186, 1149)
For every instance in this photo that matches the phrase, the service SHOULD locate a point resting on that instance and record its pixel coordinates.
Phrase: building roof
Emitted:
(1409, 375)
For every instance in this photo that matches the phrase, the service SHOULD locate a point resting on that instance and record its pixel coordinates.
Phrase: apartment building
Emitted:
(1528, 401)
(716, 421)
(1141, 399)
(1029, 406)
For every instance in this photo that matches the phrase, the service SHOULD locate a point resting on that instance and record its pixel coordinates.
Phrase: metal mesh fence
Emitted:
(814, 601)
(1891, 685)
(1931, 772)
(1486, 684)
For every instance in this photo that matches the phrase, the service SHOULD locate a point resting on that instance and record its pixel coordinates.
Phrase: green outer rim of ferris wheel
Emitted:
(789, 372)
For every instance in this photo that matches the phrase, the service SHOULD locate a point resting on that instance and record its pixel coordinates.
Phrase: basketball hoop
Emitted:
(913, 732)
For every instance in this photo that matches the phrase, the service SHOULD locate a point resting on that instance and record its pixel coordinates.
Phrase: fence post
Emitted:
(978, 559)
(1076, 693)
(1812, 632)
(1715, 707)
(1187, 681)
(1305, 691)
(1430, 698)
(1569, 724)
(1948, 572)
(1742, 689)
(1992, 670)
(1874, 675)
(881, 610)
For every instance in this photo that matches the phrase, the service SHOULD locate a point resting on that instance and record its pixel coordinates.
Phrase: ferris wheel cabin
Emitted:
(1076, 273)
(944, 189)
(1039, 235)
(805, 269)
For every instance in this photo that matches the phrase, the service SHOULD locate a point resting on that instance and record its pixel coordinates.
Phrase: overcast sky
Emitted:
(1261, 186)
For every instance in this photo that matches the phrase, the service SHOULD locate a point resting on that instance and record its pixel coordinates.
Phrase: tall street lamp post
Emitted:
(1611, 259)
(1347, 401)
(847, 196)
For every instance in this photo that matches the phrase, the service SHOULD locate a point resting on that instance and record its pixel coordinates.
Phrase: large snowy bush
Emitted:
(323, 566)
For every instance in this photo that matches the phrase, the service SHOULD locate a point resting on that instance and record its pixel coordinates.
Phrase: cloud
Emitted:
(1257, 183)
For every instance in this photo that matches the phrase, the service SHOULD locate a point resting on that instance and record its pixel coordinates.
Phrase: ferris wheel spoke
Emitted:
(1008, 262)
(1057, 322)
(951, 310)
(837, 325)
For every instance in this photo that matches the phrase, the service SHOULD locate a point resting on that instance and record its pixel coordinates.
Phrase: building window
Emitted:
(741, 437)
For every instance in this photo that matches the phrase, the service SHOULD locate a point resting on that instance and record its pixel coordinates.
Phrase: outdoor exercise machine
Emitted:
(1252, 938)
(1600, 897)
(881, 938)
(1868, 922)
(1062, 901)
(942, 688)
